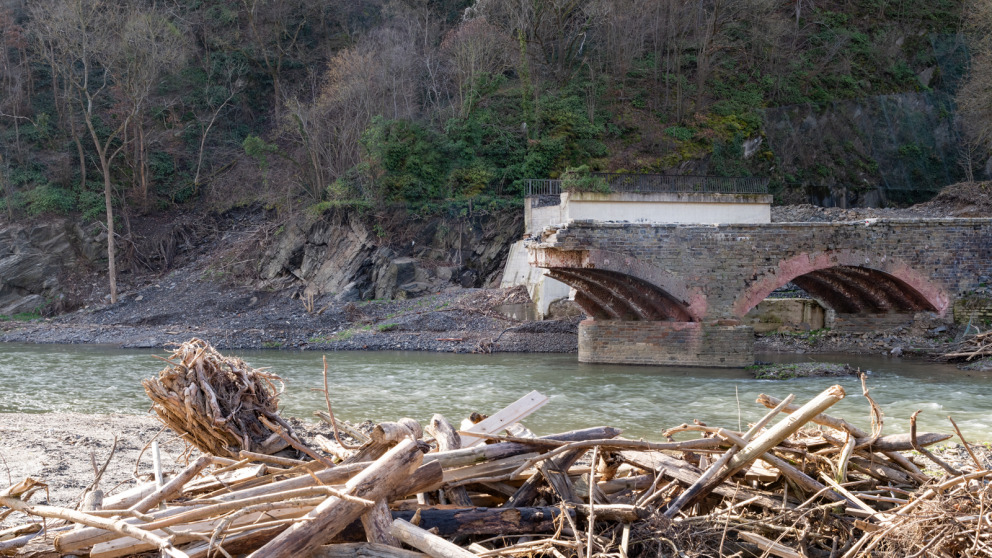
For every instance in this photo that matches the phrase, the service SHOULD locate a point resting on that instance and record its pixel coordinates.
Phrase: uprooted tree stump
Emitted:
(217, 402)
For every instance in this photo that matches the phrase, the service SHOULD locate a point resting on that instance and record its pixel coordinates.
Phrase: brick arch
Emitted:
(621, 287)
(849, 281)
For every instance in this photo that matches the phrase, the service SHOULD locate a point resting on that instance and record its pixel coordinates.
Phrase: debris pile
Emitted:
(218, 404)
(977, 346)
(799, 482)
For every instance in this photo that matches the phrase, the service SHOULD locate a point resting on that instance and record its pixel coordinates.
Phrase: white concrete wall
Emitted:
(668, 208)
(542, 290)
(536, 218)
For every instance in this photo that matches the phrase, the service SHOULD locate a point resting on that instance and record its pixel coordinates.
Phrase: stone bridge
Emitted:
(676, 294)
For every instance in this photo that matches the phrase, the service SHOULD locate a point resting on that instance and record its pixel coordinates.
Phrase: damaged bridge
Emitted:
(676, 294)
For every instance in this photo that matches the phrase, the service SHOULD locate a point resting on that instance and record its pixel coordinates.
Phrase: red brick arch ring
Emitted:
(849, 282)
(611, 286)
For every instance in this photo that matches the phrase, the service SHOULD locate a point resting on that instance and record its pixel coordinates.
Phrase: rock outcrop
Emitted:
(35, 257)
(347, 256)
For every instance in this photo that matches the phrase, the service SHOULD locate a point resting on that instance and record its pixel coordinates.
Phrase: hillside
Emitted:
(442, 108)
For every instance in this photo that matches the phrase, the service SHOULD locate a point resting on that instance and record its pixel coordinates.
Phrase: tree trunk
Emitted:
(111, 258)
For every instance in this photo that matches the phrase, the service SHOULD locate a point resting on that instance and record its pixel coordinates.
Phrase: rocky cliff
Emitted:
(351, 256)
(35, 258)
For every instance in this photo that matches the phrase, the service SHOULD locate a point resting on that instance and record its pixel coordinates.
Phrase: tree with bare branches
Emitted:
(974, 98)
(108, 56)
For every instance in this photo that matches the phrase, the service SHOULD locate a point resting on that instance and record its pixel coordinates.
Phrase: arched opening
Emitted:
(855, 290)
(849, 283)
(609, 295)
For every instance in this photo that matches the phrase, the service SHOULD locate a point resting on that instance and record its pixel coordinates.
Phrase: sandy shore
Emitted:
(56, 448)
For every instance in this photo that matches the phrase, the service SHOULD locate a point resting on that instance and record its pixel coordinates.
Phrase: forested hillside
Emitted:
(143, 106)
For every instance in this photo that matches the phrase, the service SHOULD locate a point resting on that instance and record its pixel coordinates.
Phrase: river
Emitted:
(643, 401)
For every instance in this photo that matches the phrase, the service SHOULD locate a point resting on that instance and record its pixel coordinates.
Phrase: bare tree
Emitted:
(556, 31)
(149, 45)
(472, 50)
(108, 56)
(274, 28)
(15, 75)
(974, 98)
(620, 33)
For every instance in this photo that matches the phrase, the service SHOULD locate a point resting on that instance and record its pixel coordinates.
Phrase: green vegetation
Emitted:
(446, 106)
(21, 317)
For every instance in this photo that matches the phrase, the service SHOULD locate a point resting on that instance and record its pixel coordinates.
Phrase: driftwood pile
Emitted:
(976, 346)
(809, 485)
(218, 404)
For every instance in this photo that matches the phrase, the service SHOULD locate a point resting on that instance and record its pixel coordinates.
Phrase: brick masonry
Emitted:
(720, 272)
(665, 343)
(974, 309)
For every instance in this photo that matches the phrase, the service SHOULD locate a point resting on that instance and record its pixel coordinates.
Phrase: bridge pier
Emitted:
(666, 343)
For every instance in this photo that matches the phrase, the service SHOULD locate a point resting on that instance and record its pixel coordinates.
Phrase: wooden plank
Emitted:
(514, 412)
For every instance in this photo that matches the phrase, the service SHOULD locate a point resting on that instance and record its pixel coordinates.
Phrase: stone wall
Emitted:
(786, 314)
(665, 343)
(724, 271)
(975, 309)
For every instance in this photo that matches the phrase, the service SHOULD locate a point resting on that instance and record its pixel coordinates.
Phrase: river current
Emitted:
(643, 401)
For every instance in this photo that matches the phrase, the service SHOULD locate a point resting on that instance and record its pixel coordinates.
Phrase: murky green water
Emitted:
(642, 401)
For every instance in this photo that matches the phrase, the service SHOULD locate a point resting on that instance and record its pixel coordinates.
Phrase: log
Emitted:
(190, 532)
(894, 442)
(881, 471)
(363, 550)
(129, 497)
(334, 514)
(904, 442)
(769, 546)
(429, 543)
(450, 522)
(393, 432)
(621, 513)
(52, 512)
(514, 412)
(552, 469)
(376, 523)
(76, 540)
(444, 433)
(489, 470)
(172, 488)
(769, 439)
(469, 456)
(332, 447)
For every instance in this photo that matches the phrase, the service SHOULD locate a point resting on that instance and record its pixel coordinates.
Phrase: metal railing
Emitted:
(664, 183)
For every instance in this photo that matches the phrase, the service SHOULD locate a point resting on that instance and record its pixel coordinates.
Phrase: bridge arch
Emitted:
(612, 286)
(849, 282)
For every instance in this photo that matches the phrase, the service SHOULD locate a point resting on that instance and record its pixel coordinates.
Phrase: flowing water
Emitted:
(642, 401)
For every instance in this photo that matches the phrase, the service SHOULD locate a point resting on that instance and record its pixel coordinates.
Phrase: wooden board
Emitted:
(514, 412)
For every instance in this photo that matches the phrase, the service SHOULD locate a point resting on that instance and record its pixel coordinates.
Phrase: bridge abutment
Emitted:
(666, 343)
